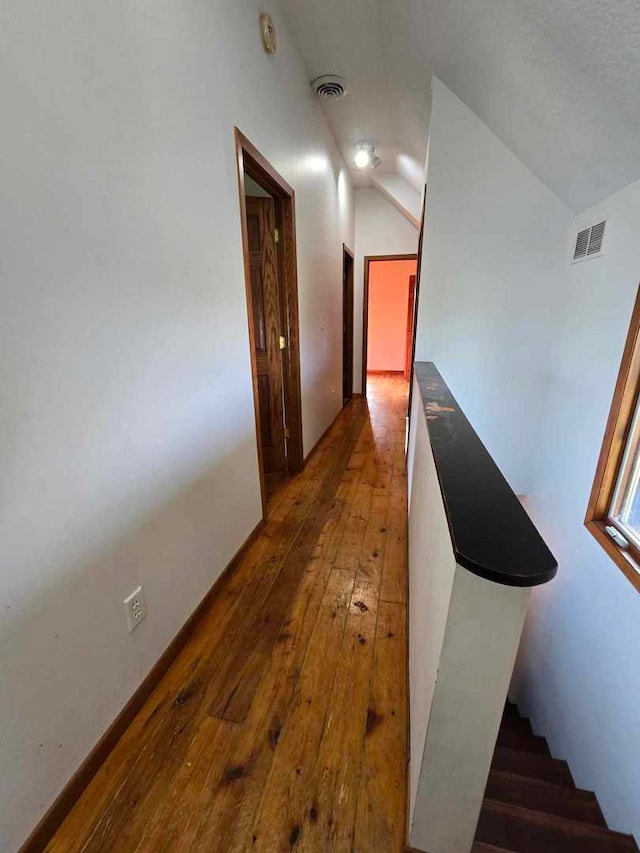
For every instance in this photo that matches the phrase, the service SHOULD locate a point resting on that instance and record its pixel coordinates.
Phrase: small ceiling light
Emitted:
(362, 158)
(364, 155)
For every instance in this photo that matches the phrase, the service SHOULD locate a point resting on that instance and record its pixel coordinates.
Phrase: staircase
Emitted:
(531, 803)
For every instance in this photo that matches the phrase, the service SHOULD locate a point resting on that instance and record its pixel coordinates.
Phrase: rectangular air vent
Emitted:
(595, 238)
(582, 244)
(589, 242)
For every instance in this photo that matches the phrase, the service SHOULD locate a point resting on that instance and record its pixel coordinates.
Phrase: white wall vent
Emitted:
(589, 242)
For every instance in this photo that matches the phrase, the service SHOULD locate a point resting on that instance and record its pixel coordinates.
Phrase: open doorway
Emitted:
(347, 325)
(269, 244)
(389, 315)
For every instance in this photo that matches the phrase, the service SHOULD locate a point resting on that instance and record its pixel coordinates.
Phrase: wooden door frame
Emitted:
(368, 259)
(411, 322)
(251, 162)
(417, 300)
(346, 252)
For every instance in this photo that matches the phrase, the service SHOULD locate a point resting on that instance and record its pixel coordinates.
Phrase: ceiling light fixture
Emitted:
(364, 155)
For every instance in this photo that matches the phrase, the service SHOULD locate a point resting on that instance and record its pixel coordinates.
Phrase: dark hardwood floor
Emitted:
(282, 723)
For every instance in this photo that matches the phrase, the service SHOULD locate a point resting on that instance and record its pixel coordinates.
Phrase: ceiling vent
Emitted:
(589, 242)
(329, 87)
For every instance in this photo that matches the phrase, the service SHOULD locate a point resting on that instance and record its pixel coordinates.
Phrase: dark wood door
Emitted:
(263, 264)
(347, 326)
(411, 320)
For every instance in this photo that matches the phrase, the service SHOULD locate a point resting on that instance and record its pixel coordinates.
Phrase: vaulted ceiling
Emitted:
(557, 80)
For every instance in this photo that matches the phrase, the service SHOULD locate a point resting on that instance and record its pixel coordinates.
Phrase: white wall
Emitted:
(253, 189)
(493, 245)
(578, 674)
(402, 195)
(432, 568)
(127, 449)
(380, 230)
(531, 346)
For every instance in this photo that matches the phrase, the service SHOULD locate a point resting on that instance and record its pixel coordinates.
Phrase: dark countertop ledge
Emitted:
(491, 533)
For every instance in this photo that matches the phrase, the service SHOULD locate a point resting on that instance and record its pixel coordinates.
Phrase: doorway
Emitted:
(388, 315)
(267, 214)
(411, 322)
(347, 325)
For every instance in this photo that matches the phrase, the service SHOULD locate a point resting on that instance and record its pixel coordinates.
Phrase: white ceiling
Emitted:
(557, 80)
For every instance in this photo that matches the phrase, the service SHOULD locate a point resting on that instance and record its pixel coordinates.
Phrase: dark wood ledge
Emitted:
(492, 535)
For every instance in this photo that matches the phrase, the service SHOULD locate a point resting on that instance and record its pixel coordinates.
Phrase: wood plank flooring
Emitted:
(282, 724)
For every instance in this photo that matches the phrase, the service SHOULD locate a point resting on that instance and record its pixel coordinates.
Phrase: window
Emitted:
(613, 514)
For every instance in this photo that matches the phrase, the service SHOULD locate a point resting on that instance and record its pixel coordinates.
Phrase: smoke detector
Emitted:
(329, 87)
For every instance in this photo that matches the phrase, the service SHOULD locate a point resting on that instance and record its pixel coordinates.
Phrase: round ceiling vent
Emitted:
(329, 87)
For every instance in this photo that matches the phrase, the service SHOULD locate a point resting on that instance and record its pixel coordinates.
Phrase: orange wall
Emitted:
(388, 307)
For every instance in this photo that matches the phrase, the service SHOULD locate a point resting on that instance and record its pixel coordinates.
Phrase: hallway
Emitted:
(282, 723)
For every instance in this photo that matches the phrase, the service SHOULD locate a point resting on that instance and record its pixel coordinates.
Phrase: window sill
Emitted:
(623, 559)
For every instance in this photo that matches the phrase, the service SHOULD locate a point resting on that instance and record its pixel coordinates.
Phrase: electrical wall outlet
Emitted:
(323, 321)
(135, 607)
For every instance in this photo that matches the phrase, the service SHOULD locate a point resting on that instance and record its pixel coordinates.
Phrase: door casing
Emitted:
(347, 324)
(416, 301)
(410, 326)
(365, 306)
(251, 162)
